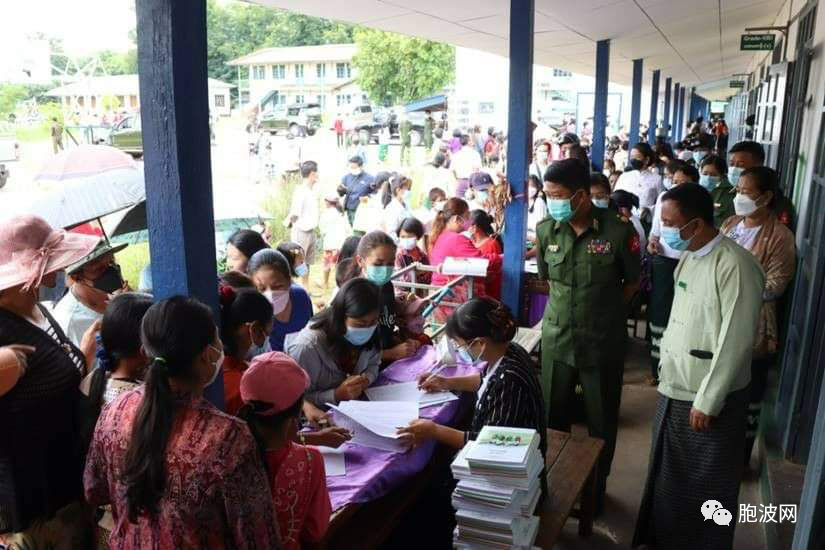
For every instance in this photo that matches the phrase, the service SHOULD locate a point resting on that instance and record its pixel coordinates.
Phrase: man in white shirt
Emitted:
(465, 162)
(304, 214)
(541, 161)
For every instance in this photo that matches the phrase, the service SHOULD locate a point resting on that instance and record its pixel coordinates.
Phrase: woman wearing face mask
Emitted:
(410, 232)
(757, 228)
(641, 179)
(542, 160)
(397, 205)
(484, 238)
(663, 263)
(241, 246)
(536, 205)
(599, 190)
(246, 321)
(340, 348)
(507, 388)
(294, 253)
(291, 305)
(447, 240)
(714, 172)
(164, 437)
(376, 259)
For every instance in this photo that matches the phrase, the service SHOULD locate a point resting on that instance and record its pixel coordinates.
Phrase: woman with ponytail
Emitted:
(507, 385)
(178, 472)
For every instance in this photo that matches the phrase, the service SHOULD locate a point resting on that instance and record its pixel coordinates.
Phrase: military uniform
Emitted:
(584, 330)
(404, 131)
(428, 132)
(723, 196)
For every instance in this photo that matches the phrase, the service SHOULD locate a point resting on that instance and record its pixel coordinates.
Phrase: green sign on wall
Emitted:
(757, 42)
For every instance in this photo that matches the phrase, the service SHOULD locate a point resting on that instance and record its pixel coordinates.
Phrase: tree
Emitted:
(10, 96)
(396, 69)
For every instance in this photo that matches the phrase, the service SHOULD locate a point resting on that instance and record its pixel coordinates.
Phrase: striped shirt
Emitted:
(512, 397)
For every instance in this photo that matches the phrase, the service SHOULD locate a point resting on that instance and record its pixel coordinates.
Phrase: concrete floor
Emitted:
(614, 529)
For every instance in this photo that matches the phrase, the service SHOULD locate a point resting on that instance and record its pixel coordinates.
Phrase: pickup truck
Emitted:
(127, 136)
(300, 119)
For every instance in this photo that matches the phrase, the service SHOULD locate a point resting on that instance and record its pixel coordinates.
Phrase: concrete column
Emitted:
(636, 102)
(600, 104)
(654, 107)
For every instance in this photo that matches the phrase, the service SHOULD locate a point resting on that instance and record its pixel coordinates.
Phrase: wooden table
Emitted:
(572, 465)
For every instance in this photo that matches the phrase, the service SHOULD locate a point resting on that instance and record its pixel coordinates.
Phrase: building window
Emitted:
(321, 70)
(258, 72)
(133, 101)
(562, 73)
(321, 100)
(343, 70)
(220, 100)
(299, 71)
(244, 96)
(365, 99)
(486, 108)
(299, 99)
(94, 102)
(278, 72)
(343, 99)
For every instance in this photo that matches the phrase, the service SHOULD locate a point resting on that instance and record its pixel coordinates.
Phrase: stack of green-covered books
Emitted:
(498, 489)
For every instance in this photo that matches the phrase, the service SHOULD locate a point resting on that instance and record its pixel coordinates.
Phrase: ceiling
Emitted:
(694, 41)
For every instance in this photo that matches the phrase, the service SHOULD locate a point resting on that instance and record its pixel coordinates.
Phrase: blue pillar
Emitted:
(654, 107)
(519, 138)
(674, 131)
(600, 104)
(175, 119)
(666, 119)
(636, 102)
(681, 113)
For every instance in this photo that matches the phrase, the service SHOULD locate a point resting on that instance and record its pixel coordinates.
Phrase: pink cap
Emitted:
(274, 378)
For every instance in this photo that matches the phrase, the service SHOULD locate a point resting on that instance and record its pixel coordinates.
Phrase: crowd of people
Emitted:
(107, 433)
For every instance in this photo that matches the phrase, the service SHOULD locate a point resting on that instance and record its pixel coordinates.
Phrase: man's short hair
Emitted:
(689, 171)
(570, 173)
(675, 166)
(356, 160)
(308, 167)
(464, 139)
(753, 148)
(693, 201)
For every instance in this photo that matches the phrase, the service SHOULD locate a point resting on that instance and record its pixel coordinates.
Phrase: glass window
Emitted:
(220, 100)
(321, 70)
(279, 72)
(343, 70)
(299, 71)
(299, 99)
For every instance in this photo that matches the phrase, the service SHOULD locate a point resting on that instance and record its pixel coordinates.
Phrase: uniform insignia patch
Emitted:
(553, 248)
(635, 244)
(599, 246)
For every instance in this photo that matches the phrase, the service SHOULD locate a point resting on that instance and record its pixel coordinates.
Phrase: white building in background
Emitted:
(304, 74)
(480, 96)
(97, 95)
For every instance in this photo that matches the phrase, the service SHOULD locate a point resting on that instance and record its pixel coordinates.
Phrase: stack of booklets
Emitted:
(498, 489)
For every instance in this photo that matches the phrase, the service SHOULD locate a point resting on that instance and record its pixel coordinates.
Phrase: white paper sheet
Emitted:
(335, 463)
(408, 391)
(375, 423)
(465, 266)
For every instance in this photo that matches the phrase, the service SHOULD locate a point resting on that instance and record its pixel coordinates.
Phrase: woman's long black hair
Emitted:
(357, 298)
(249, 413)
(119, 339)
(482, 318)
(174, 332)
(238, 307)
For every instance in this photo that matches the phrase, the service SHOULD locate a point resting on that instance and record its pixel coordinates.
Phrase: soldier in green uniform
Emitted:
(404, 131)
(429, 123)
(590, 257)
(714, 177)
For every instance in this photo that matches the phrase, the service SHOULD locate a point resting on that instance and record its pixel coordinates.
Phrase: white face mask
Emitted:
(355, 171)
(255, 349)
(279, 300)
(216, 365)
(439, 206)
(532, 192)
(743, 205)
(542, 156)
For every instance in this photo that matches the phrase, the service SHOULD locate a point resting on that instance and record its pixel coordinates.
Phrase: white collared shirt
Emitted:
(487, 377)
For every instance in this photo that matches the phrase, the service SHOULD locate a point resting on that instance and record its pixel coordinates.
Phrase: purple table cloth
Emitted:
(372, 473)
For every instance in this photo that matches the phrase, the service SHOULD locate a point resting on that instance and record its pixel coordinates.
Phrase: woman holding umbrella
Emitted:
(43, 436)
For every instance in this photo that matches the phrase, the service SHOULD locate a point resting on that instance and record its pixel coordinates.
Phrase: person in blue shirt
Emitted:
(354, 185)
(270, 270)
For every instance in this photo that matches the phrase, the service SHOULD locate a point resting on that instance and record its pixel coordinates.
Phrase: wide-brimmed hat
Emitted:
(30, 249)
(101, 249)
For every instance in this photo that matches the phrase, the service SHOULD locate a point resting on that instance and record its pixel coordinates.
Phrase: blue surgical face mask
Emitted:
(699, 156)
(379, 274)
(405, 195)
(481, 196)
(733, 174)
(466, 356)
(255, 351)
(407, 243)
(672, 236)
(301, 270)
(601, 203)
(561, 210)
(358, 336)
(668, 183)
(709, 182)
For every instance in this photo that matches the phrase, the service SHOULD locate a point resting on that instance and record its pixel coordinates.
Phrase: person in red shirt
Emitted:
(484, 238)
(272, 390)
(246, 322)
(338, 125)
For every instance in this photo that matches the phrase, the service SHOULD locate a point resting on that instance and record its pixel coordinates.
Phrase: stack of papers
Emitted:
(334, 461)
(409, 392)
(465, 266)
(375, 423)
(498, 489)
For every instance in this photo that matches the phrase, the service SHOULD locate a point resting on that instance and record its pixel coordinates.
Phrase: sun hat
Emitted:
(274, 378)
(30, 249)
(101, 249)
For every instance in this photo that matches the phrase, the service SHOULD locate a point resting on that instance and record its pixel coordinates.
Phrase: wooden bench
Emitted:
(572, 465)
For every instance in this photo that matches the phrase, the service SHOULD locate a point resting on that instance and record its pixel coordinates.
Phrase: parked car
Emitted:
(300, 119)
(127, 136)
